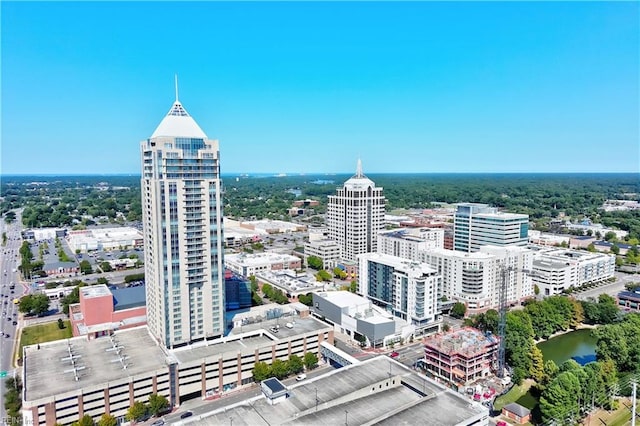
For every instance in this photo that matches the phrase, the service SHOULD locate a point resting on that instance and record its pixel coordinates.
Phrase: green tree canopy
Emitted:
(86, 420)
(458, 310)
(107, 420)
(157, 403)
(34, 304)
(295, 364)
(137, 411)
(310, 360)
(261, 371)
(314, 262)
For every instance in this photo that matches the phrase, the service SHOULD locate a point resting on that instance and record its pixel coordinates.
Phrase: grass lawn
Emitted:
(620, 417)
(513, 395)
(41, 333)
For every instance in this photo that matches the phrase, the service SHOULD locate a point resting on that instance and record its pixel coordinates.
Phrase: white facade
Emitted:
(476, 278)
(327, 250)
(247, 264)
(555, 270)
(104, 239)
(355, 215)
(477, 225)
(408, 242)
(408, 289)
(183, 238)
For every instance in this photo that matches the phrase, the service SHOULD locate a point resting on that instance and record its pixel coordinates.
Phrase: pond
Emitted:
(579, 345)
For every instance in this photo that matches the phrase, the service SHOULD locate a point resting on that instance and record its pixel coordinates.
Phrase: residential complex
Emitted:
(408, 242)
(183, 239)
(557, 269)
(405, 288)
(462, 356)
(355, 215)
(476, 225)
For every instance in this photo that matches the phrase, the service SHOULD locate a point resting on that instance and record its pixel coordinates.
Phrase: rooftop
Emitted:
(376, 391)
(178, 123)
(128, 297)
(467, 341)
(99, 290)
(66, 365)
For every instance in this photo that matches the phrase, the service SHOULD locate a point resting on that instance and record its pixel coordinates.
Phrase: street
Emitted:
(611, 289)
(8, 264)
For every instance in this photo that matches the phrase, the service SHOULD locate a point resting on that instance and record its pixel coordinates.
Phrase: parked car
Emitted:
(186, 414)
(394, 354)
(301, 377)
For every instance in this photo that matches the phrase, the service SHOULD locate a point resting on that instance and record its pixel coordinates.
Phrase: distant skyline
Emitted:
(310, 87)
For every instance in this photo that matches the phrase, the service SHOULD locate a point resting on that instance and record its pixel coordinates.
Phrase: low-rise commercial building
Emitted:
(356, 316)
(247, 264)
(102, 311)
(327, 250)
(104, 239)
(629, 300)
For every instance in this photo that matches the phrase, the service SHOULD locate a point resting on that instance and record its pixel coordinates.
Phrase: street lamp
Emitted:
(346, 421)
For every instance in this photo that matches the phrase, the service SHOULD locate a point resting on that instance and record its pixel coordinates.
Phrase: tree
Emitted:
(353, 286)
(339, 273)
(537, 364)
(34, 304)
(157, 403)
(137, 411)
(310, 360)
(106, 267)
(85, 267)
(610, 236)
(591, 248)
(551, 370)
(107, 420)
(279, 369)
(536, 289)
(446, 327)
(86, 420)
(60, 324)
(323, 275)
(261, 371)
(295, 364)
(306, 299)
(560, 399)
(614, 249)
(315, 262)
(458, 310)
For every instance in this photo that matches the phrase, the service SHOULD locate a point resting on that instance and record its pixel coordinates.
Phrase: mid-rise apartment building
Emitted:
(183, 239)
(405, 288)
(408, 242)
(476, 278)
(477, 225)
(355, 215)
(557, 269)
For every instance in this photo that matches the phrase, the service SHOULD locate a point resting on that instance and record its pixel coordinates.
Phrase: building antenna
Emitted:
(176, 87)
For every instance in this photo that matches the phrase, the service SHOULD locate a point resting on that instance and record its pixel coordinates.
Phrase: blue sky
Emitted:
(309, 87)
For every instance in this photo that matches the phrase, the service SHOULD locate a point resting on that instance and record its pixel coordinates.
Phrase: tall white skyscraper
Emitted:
(182, 217)
(355, 215)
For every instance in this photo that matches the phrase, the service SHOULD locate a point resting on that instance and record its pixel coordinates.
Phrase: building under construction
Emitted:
(462, 356)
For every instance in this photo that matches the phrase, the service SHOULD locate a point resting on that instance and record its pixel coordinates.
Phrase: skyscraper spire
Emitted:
(177, 88)
(359, 169)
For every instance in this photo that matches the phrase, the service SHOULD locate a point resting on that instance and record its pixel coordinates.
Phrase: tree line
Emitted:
(281, 369)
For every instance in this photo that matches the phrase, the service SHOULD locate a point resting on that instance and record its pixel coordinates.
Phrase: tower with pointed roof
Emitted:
(182, 219)
(355, 215)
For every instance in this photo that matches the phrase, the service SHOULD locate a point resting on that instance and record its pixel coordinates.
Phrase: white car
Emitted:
(301, 377)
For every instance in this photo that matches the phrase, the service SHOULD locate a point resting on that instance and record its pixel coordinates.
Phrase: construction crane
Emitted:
(505, 275)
